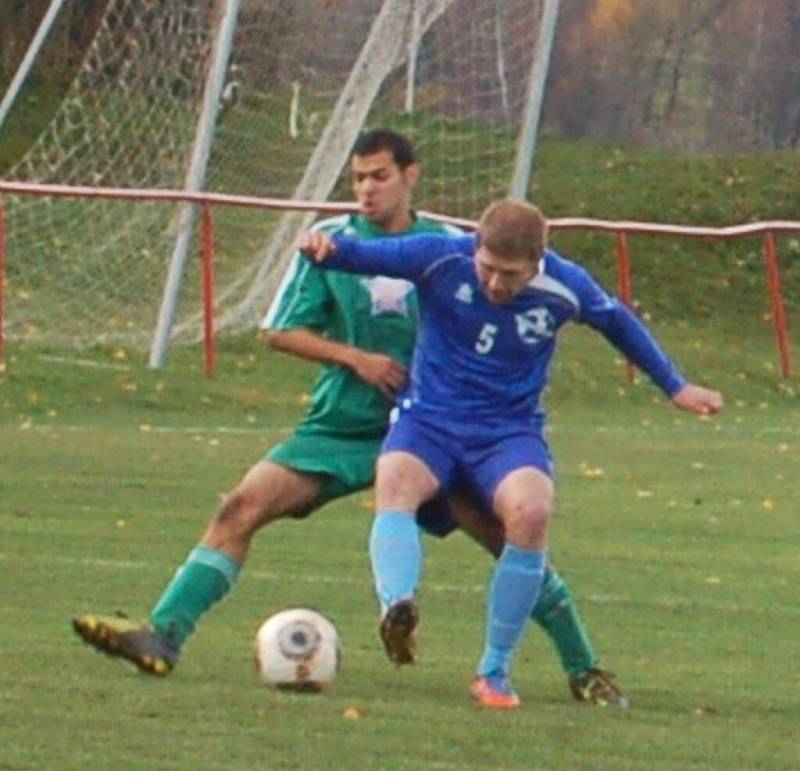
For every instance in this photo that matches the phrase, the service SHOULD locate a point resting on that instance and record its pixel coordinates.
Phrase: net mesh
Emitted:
(303, 79)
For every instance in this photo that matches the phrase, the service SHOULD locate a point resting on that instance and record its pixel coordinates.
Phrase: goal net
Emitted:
(302, 80)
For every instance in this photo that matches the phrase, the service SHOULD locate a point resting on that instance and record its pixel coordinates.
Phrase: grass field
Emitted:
(678, 535)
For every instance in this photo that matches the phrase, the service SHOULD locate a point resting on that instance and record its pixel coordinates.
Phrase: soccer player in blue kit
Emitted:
(491, 304)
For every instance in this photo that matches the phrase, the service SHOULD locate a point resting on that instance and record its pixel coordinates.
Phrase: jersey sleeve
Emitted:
(303, 300)
(623, 329)
(405, 257)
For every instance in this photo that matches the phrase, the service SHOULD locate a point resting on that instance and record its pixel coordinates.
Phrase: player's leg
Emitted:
(415, 462)
(403, 482)
(556, 610)
(296, 477)
(523, 502)
(557, 613)
(475, 520)
(267, 491)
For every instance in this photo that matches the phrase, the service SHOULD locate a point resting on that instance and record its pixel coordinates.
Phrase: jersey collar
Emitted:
(366, 228)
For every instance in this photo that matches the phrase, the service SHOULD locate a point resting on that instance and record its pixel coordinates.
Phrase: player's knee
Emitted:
(403, 482)
(526, 523)
(241, 513)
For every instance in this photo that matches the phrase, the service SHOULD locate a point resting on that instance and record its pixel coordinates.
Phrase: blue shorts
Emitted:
(478, 455)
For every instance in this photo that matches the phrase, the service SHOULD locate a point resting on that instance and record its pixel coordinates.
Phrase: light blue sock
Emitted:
(516, 583)
(395, 550)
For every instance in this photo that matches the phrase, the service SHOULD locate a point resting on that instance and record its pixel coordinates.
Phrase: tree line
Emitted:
(703, 75)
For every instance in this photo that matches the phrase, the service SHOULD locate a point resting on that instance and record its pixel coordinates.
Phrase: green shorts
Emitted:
(347, 462)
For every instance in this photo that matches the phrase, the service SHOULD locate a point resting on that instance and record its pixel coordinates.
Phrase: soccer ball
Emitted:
(297, 650)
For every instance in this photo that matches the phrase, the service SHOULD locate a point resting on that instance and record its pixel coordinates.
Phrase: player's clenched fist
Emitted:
(316, 245)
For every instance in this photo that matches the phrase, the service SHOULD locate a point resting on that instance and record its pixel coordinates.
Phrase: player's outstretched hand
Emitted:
(316, 245)
(695, 398)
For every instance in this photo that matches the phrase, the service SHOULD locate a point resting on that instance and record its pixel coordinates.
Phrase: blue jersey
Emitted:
(478, 359)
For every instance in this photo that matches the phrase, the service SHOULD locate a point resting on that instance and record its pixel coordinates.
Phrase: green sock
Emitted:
(205, 578)
(557, 614)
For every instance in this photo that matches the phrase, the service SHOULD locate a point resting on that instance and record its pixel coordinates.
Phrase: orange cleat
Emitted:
(494, 692)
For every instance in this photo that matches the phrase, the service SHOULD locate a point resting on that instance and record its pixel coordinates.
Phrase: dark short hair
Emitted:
(380, 139)
(511, 228)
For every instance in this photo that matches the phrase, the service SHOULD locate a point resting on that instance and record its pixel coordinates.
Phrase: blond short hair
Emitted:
(510, 228)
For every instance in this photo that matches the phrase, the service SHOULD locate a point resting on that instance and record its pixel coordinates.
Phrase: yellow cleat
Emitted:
(596, 686)
(138, 643)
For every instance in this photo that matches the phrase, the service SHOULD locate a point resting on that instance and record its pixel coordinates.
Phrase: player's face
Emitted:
(383, 189)
(502, 278)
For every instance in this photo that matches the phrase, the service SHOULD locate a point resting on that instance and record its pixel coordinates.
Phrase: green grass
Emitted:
(679, 537)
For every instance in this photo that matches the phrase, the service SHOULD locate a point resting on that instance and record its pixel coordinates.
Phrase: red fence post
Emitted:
(776, 302)
(624, 285)
(2, 281)
(207, 251)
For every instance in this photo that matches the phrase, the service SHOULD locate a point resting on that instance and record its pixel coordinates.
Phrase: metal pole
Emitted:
(194, 180)
(624, 285)
(2, 283)
(413, 53)
(207, 231)
(533, 107)
(779, 322)
(30, 57)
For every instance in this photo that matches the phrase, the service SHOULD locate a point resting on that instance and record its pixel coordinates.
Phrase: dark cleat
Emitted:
(119, 637)
(596, 686)
(398, 631)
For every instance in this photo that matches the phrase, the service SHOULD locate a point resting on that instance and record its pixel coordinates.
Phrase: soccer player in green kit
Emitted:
(361, 329)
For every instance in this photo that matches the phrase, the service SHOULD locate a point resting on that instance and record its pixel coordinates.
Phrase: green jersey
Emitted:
(373, 313)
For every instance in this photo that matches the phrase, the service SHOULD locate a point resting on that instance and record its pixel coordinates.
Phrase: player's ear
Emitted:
(412, 173)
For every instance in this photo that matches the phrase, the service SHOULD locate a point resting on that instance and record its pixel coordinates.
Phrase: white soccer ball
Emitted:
(298, 650)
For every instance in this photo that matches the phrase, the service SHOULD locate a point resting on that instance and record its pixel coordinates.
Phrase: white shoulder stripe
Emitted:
(332, 223)
(548, 284)
(452, 230)
(296, 264)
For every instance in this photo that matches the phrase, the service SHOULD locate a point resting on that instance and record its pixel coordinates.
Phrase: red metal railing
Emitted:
(622, 229)
(2, 280)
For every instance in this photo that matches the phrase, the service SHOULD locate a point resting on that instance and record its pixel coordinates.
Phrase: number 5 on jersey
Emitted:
(485, 341)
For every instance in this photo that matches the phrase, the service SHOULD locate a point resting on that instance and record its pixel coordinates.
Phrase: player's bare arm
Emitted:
(377, 369)
(697, 399)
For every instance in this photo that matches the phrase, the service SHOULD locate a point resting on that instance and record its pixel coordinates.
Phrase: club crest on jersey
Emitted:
(535, 325)
(388, 295)
(464, 293)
